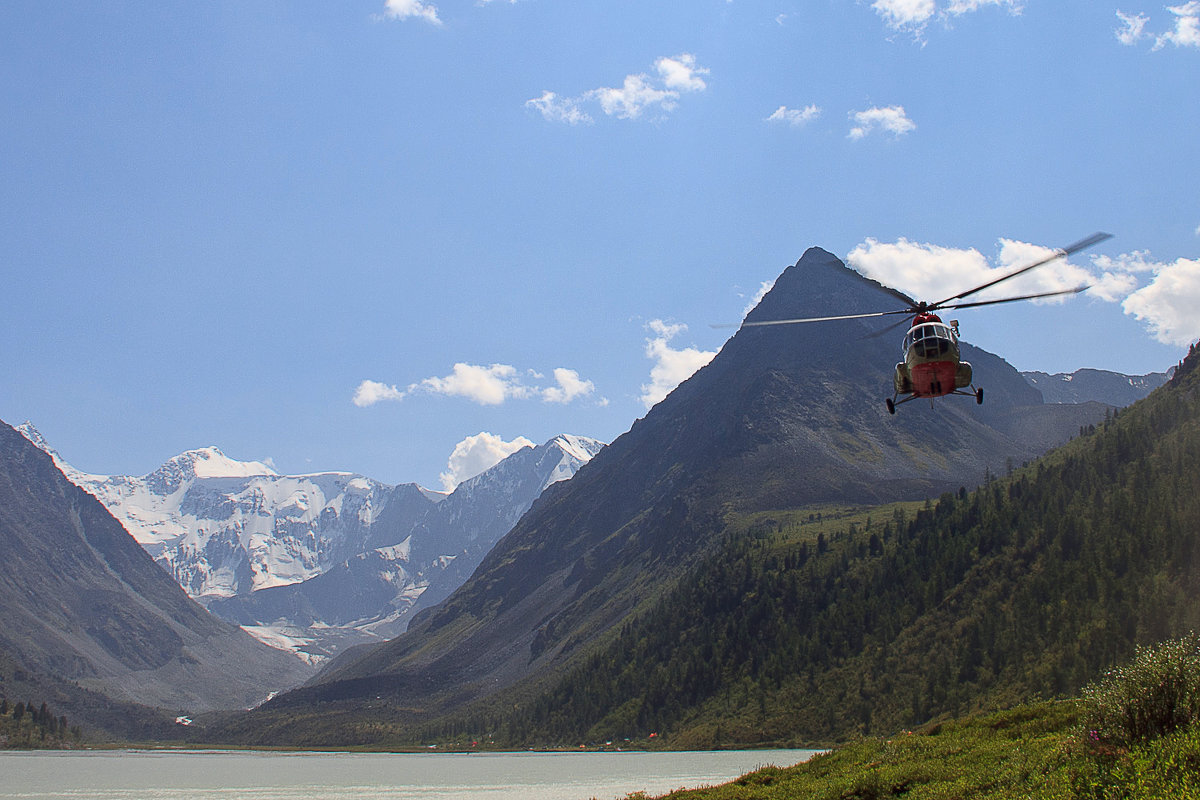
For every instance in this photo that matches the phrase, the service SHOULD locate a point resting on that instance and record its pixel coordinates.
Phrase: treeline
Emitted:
(1030, 586)
(26, 725)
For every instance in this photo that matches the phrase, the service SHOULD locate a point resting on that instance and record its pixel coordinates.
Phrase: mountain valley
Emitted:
(767, 556)
(782, 422)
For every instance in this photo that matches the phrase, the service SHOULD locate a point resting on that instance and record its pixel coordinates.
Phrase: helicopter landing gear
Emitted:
(891, 406)
(979, 396)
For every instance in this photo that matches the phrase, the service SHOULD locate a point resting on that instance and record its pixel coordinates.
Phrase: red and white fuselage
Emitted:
(932, 366)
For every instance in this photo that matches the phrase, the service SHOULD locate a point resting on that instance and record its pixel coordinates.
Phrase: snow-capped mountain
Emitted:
(317, 562)
(415, 561)
(223, 527)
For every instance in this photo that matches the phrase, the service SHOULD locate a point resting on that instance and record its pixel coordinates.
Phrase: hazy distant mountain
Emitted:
(315, 563)
(85, 610)
(1096, 385)
(782, 417)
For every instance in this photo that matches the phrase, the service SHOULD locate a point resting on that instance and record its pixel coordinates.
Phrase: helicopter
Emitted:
(932, 365)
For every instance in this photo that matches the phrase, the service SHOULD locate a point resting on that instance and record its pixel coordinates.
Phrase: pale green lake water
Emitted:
(222, 775)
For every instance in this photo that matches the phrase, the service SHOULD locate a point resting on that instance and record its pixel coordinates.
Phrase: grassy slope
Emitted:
(1030, 751)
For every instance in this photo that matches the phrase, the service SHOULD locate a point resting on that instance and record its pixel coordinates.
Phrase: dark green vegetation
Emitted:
(1030, 586)
(1135, 734)
(26, 725)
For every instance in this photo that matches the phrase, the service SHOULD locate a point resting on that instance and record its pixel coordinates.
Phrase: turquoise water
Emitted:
(222, 775)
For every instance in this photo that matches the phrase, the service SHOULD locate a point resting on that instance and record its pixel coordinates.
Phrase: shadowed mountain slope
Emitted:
(796, 630)
(87, 612)
(782, 417)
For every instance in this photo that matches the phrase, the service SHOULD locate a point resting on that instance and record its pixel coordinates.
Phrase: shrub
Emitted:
(1157, 693)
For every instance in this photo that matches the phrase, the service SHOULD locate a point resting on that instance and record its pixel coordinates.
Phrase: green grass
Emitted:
(1033, 751)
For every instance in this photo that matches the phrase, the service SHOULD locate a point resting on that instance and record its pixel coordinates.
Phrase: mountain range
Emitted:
(591, 606)
(782, 417)
(1085, 385)
(317, 563)
(95, 627)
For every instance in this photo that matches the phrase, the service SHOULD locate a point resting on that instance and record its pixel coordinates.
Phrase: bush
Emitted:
(1156, 694)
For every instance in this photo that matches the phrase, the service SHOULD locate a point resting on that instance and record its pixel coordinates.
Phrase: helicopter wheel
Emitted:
(891, 406)
(979, 396)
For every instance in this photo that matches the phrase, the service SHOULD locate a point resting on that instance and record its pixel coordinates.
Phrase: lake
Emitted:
(226, 775)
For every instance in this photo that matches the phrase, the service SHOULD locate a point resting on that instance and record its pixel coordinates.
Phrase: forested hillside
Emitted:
(800, 630)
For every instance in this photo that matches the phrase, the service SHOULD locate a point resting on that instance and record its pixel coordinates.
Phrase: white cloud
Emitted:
(915, 15)
(570, 386)
(1170, 303)
(905, 14)
(931, 273)
(477, 454)
(369, 393)
(486, 385)
(637, 95)
(681, 73)
(795, 117)
(1133, 27)
(763, 288)
(559, 109)
(671, 367)
(959, 7)
(891, 119)
(1187, 27)
(405, 9)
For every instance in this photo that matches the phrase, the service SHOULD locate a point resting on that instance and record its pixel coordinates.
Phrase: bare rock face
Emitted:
(86, 609)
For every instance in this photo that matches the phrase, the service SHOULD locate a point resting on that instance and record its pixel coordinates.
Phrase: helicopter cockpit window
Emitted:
(930, 340)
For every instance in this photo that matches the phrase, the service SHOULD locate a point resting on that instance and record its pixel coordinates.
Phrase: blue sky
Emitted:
(368, 234)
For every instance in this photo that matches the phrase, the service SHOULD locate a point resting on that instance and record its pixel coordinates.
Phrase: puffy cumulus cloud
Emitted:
(1185, 33)
(569, 387)
(1187, 27)
(477, 454)
(905, 14)
(915, 15)
(796, 117)
(1133, 28)
(634, 96)
(369, 393)
(931, 272)
(638, 95)
(1170, 303)
(1166, 297)
(891, 119)
(485, 385)
(671, 367)
(681, 73)
(411, 9)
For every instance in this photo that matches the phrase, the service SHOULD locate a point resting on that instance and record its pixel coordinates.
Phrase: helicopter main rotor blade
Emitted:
(1063, 252)
(978, 303)
(888, 329)
(814, 319)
